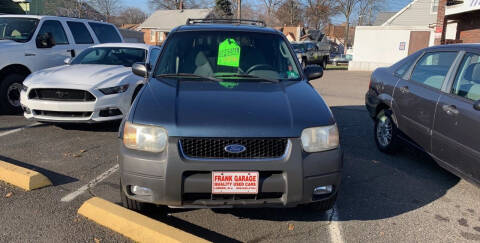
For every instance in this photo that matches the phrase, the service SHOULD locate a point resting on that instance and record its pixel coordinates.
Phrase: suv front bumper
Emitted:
(180, 182)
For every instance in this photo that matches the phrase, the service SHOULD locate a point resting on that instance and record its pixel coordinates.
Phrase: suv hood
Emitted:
(90, 75)
(243, 109)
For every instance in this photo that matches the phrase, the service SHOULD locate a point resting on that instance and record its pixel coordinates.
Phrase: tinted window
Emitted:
(153, 56)
(80, 33)
(105, 33)
(432, 68)
(56, 29)
(228, 55)
(111, 56)
(403, 68)
(467, 81)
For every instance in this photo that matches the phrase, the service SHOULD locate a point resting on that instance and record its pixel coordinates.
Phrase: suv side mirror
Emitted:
(476, 105)
(67, 60)
(313, 72)
(45, 40)
(140, 69)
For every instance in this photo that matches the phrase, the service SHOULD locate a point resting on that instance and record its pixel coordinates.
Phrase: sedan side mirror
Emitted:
(45, 40)
(140, 69)
(313, 72)
(67, 60)
(476, 105)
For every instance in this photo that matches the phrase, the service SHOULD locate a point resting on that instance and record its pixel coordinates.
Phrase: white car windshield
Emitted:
(111, 56)
(17, 29)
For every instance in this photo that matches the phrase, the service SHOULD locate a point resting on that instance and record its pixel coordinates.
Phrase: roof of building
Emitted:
(382, 17)
(169, 19)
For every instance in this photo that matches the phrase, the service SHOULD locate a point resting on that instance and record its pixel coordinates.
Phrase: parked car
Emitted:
(95, 86)
(30, 43)
(228, 119)
(340, 59)
(431, 100)
(309, 52)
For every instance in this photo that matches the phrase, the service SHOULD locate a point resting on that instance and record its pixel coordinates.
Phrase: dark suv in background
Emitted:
(229, 119)
(431, 100)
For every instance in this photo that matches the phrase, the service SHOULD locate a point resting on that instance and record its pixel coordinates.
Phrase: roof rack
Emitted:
(226, 21)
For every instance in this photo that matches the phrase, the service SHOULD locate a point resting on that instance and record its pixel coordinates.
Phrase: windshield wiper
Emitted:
(187, 75)
(240, 75)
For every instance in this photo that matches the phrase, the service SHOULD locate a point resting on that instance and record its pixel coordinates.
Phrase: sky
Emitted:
(391, 5)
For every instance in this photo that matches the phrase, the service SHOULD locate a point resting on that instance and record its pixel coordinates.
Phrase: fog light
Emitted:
(321, 190)
(141, 191)
(110, 112)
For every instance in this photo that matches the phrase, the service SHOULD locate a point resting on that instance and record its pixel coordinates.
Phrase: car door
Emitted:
(456, 132)
(53, 56)
(81, 36)
(416, 97)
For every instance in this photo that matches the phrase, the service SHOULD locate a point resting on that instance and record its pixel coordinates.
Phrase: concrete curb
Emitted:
(21, 177)
(133, 225)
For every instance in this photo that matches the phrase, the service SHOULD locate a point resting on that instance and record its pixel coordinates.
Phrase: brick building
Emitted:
(458, 22)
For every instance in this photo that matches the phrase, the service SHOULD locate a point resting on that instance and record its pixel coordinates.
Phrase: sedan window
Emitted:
(432, 68)
(467, 81)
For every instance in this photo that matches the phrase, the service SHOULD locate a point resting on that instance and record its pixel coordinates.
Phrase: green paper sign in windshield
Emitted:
(228, 53)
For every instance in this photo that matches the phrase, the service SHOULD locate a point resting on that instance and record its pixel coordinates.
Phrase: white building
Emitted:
(406, 32)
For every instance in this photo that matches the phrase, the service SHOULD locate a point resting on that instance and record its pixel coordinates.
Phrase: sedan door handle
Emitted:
(450, 109)
(404, 89)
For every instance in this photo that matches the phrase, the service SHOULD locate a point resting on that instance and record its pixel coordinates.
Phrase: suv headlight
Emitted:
(114, 90)
(317, 139)
(144, 137)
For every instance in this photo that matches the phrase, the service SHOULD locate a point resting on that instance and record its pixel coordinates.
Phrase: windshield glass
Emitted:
(17, 29)
(227, 55)
(111, 56)
(299, 47)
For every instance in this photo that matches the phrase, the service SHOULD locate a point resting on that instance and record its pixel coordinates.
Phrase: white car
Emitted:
(98, 85)
(29, 43)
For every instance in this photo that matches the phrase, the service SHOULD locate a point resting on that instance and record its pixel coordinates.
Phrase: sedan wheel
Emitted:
(386, 132)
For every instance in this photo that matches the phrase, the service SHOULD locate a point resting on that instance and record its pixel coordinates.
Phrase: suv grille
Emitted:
(214, 148)
(61, 95)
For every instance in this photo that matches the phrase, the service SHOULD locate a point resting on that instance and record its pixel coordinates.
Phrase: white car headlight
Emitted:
(317, 139)
(145, 138)
(114, 90)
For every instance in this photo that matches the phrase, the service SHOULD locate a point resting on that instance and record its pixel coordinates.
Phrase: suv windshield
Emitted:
(111, 56)
(299, 47)
(17, 29)
(227, 55)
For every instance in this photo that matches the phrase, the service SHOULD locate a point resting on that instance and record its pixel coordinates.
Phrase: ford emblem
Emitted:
(235, 148)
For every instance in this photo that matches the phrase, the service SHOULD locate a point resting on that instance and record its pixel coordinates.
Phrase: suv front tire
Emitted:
(10, 88)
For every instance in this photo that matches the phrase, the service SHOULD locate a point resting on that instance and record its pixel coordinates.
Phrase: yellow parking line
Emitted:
(21, 177)
(131, 224)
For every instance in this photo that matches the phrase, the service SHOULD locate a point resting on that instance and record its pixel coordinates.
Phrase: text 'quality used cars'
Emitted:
(228, 119)
(95, 86)
(431, 100)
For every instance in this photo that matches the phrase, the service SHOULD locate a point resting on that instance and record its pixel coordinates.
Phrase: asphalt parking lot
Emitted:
(384, 198)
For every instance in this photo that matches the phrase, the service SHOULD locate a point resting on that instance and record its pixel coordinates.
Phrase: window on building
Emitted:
(153, 35)
(56, 29)
(432, 68)
(80, 33)
(435, 6)
(467, 81)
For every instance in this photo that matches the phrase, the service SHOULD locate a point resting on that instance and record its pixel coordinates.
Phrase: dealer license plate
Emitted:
(234, 182)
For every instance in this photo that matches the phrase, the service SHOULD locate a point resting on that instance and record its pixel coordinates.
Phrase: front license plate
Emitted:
(234, 182)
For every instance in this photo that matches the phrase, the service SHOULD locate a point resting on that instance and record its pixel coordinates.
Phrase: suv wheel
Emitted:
(10, 88)
(386, 132)
(324, 205)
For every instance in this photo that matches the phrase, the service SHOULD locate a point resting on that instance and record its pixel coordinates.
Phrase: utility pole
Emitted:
(239, 9)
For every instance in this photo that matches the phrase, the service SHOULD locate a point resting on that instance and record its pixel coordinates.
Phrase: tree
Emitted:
(223, 8)
(346, 7)
(72, 8)
(176, 4)
(290, 13)
(133, 15)
(107, 8)
(318, 12)
(367, 9)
